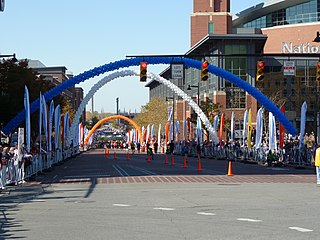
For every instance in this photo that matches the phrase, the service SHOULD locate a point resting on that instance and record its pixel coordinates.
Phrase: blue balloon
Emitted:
(188, 62)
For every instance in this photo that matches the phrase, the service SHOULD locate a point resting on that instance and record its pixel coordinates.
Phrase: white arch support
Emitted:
(71, 134)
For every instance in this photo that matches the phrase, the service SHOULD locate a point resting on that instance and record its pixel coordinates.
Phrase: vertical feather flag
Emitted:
(177, 130)
(199, 130)
(249, 128)
(145, 136)
(142, 132)
(137, 136)
(167, 132)
(282, 129)
(152, 131)
(65, 128)
(40, 122)
(232, 126)
(259, 130)
(148, 133)
(80, 127)
(272, 132)
(171, 132)
(61, 135)
(27, 111)
(169, 113)
(81, 134)
(303, 123)
(221, 128)
(188, 128)
(215, 122)
(245, 121)
(159, 135)
(57, 117)
(51, 112)
(45, 120)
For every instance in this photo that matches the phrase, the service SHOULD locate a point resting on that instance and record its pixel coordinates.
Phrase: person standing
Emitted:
(4, 162)
(155, 147)
(171, 147)
(317, 165)
(2, 186)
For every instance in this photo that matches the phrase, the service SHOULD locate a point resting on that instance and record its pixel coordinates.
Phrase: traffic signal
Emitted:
(260, 71)
(204, 71)
(143, 71)
(318, 72)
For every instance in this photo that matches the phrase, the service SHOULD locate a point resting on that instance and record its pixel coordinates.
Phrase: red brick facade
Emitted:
(205, 11)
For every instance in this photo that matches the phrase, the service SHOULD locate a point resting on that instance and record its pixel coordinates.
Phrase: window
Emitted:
(210, 28)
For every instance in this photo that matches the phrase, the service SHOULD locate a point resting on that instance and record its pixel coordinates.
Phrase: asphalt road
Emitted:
(76, 200)
(94, 166)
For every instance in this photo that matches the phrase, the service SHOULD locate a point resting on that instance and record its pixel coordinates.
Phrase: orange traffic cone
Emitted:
(199, 164)
(230, 169)
(149, 158)
(185, 162)
(172, 160)
(107, 152)
(167, 160)
(114, 155)
(128, 156)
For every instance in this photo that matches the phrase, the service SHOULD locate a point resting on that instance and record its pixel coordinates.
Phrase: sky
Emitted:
(81, 35)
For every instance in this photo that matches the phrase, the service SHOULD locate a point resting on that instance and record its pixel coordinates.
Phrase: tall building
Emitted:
(279, 32)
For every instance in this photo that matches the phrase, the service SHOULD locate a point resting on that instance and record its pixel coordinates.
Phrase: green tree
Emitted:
(13, 77)
(154, 112)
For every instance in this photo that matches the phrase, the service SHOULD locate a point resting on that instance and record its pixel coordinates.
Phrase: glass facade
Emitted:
(301, 13)
(292, 90)
(235, 96)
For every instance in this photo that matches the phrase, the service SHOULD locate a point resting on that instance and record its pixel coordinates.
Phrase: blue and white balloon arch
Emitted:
(262, 99)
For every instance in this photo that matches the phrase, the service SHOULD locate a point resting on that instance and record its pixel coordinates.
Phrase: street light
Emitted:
(168, 98)
(13, 56)
(198, 87)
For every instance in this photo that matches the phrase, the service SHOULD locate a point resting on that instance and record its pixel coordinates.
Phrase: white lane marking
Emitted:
(55, 176)
(120, 205)
(125, 173)
(249, 220)
(142, 170)
(120, 170)
(206, 213)
(164, 209)
(278, 169)
(65, 167)
(301, 229)
(37, 200)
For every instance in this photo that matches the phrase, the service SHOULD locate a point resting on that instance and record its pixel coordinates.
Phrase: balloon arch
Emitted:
(108, 119)
(262, 99)
(72, 132)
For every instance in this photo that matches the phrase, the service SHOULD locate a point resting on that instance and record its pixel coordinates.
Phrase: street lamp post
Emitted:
(198, 88)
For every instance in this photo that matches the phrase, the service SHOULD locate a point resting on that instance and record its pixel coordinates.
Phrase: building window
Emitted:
(235, 96)
(300, 13)
(210, 28)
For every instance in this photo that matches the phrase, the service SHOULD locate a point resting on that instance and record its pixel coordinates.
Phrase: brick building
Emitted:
(275, 31)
